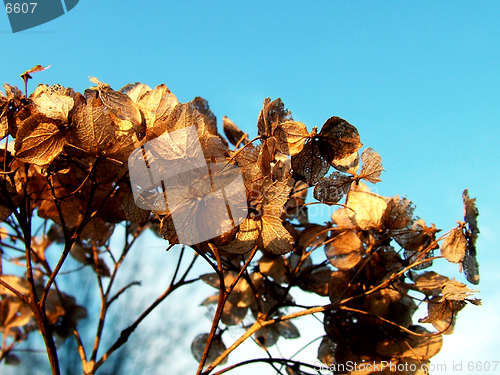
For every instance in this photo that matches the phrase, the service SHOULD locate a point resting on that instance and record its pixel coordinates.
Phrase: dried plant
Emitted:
(65, 159)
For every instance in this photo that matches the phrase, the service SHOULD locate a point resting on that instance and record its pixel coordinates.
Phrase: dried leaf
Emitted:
(35, 69)
(95, 132)
(208, 117)
(14, 313)
(216, 348)
(415, 239)
(308, 165)
(274, 237)
(326, 351)
(317, 280)
(313, 236)
(274, 268)
(429, 283)
(368, 209)
(332, 189)
(132, 212)
(97, 231)
(234, 134)
(470, 212)
(338, 139)
(416, 347)
(39, 139)
(349, 164)
(156, 106)
(287, 330)
(18, 283)
(442, 314)
(345, 251)
(455, 290)
(372, 166)
(338, 287)
(290, 137)
(183, 116)
(119, 106)
(135, 91)
(53, 103)
(399, 213)
(454, 246)
(471, 269)
(271, 115)
(245, 239)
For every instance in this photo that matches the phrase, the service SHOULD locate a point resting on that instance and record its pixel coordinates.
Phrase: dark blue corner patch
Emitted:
(32, 13)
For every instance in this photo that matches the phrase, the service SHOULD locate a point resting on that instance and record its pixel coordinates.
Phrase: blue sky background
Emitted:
(420, 81)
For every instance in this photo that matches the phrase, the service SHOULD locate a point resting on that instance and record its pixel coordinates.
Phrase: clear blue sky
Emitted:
(420, 81)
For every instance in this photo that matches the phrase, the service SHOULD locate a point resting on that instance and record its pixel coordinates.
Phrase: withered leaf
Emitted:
(313, 236)
(295, 207)
(119, 106)
(338, 287)
(287, 330)
(399, 213)
(338, 139)
(290, 137)
(97, 231)
(415, 239)
(326, 351)
(274, 268)
(442, 314)
(372, 166)
(317, 280)
(332, 189)
(234, 134)
(54, 104)
(429, 283)
(216, 348)
(454, 246)
(135, 91)
(132, 212)
(471, 269)
(39, 139)
(345, 251)
(18, 283)
(96, 133)
(156, 105)
(183, 116)
(35, 69)
(416, 347)
(271, 115)
(455, 290)
(14, 313)
(274, 237)
(368, 209)
(349, 164)
(308, 165)
(341, 218)
(470, 212)
(208, 116)
(245, 239)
